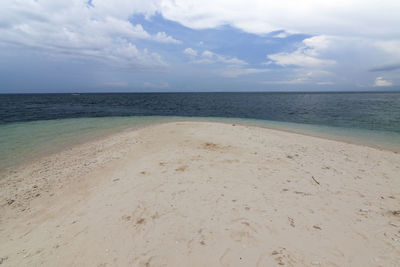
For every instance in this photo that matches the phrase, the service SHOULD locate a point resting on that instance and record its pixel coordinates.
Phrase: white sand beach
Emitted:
(204, 194)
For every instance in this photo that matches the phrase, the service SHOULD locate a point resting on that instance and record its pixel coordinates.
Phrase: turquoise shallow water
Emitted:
(23, 141)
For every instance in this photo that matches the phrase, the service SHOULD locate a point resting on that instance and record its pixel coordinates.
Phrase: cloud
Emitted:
(298, 58)
(94, 29)
(380, 82)
(295, 81)
(391, 47)
(305, 56)
(157, 86)
(164, 38)
(390, 67)
(325, 83)
(126, 54)
(234, 66)
(116, 84)
(301, 76)
(233, 72)
(345, 35)
(371, 18)
(190, 52)
(281, 34)
(358, 32)
(208, 57)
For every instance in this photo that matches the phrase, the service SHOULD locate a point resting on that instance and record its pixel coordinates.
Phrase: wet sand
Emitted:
(204, 193)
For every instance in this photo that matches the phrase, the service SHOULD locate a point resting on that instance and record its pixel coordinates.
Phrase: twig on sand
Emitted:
(315, 180)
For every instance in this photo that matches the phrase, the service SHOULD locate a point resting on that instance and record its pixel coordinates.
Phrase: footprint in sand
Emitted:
(291, 222)
(181, 169)
(243, 230)
(282, 257)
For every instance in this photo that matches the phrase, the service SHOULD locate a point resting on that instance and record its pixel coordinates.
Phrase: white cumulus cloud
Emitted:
(101, 30)
(380, 82)
(305, 56)
(190, 52)
(208, 57)
(330, 17)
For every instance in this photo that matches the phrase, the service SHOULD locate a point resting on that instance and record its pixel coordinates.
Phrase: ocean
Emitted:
(35, 124)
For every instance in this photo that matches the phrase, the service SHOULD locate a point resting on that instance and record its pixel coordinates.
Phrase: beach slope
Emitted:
(204, 194)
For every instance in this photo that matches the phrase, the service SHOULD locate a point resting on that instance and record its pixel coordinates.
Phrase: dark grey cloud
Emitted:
(386, 68)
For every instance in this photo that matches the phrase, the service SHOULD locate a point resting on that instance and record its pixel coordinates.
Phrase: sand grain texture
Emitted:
(204, 194)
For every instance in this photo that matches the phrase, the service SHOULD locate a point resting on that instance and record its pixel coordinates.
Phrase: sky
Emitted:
(209, 45)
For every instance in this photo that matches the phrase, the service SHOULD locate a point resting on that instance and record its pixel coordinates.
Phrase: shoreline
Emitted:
(314, 133)
(79, 139)
(282, 126)
(334, 139)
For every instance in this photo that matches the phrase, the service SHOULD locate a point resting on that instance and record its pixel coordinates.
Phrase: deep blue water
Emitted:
(373, 111)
